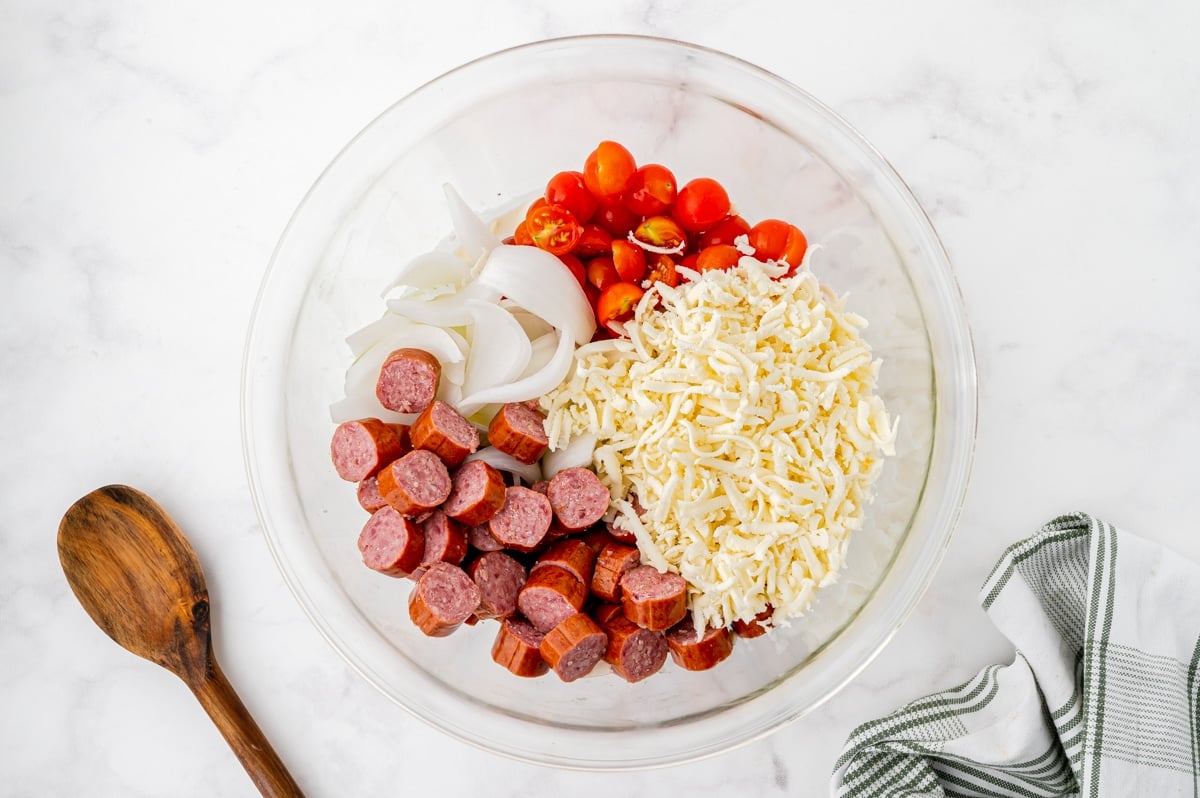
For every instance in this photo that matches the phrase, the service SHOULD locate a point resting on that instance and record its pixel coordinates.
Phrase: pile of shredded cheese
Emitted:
(741, 412)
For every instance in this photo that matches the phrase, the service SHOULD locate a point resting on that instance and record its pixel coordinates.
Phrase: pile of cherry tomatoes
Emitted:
(586, 218)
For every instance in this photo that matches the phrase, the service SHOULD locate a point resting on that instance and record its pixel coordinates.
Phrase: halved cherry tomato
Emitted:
(720, 256)
(661, 269)
(724, 232)
(651, 191)
(608, 170)
(617, 303)
(629, 260)
(568, 190)
(661, 231)
(521, 235)
(700, 204)
(601, 273)
(553, 228)
(594, 241)
(575, 265)
(769, 239)
(615, 218)
(540, 202)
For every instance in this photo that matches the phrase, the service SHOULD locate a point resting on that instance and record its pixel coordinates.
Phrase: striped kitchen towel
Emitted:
(1102, 699)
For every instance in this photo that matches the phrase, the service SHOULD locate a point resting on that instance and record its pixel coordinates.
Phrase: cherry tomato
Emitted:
(651, 191)
(615, 218)
(508, 240)
(521, 235)
(724, 232)
(576, 268)
(690, 261)
(720, 256)
(540, 202)
(700, 204)
(793, 251)
(617, 303)
(769, 239)
(568, 190)
(553, 228)
(661, 231)
(594, 241)
(601, 273)
(629, 260)
(661, 269)
(608, 170)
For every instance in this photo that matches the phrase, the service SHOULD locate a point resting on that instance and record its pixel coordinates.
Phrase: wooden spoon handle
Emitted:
(244, 737)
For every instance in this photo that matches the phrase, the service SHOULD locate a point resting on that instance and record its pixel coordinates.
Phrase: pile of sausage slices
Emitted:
(566, 588)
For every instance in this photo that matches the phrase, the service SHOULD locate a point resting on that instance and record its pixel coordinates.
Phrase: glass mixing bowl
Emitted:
(497, 129)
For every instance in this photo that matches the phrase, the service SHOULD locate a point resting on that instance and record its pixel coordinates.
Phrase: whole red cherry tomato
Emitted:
(617, 303)
(629, 260)
(793, 251)
(576, 268)
(594, 241)
(601, 273)
(700, 204)
(724, 232)
(553, 228)
(615, 218)
(718, 256)
(769, 239)
(608, 170)
(568, 190)
(651, 191)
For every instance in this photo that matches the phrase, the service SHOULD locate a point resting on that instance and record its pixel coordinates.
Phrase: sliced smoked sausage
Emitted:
(573, 647)
(481, 539)
(753, 628)
(578, 497)
(444, 597)
(550, 596)
(476, 493)
(391, 543)
(408, 380)
(698, 654)
(572, 555)
(368, 495)
(416, 483)
(520, 431)
(614, 561)
(500, 579)
(633, 652)
(442, 430)
(523, 520)
(360, 448)
(653, 599)
(516, 648)
(445, 540)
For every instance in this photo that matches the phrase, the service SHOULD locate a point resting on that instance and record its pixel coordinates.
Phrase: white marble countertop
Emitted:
(150, 155)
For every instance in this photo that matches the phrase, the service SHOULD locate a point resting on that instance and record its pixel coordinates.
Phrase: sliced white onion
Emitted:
(450, 311)
(539, 283)
(499, 351)
(534, 326)
(364, 372)
(365, 405)
(576, 454)
(529, 473)
(534, 386)
(432, 270)
(473, 234)
(542, 349)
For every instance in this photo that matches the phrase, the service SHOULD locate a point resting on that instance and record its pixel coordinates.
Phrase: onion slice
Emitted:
(534, 386)
(502, 461)
(431, 270)
(539, 283)
(474, 236)
(499, 351)
(576, 454)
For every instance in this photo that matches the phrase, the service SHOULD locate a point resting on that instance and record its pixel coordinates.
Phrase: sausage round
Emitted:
(445, 540)
(620, 534)
(700, 654)
(573, 647)
(540, 486)
(520, 431)
(572, 555)
(753, 628)
(442, 430)
(368, 495)
(481, 539)
(523, 520)
(443, 598)
(550, 596)
(402, 435)
(408, 380)
(633, 652)
(652, 599)
(476, 493)
(516, 648)
(578, 497)
(416, 483)
(614, 561)
(360, 448)
(391, 543)
(597, 538)
(500, 579)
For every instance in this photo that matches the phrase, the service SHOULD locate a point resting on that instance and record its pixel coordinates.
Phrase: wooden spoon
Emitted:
(137, 576)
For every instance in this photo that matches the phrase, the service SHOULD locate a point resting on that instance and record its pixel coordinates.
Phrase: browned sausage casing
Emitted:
(442, 430)
(391, 543)
(445, 540)
(444, 597)
(520, 431)
(415, 484)
(476, 493)
(516, 648)
(698, 654)
(615, 560)
(550, 596)
(408, 380)
(368, 495)
(360, 448)
(633, 652)
(573, 648)
(653, 599)
(754, 628)
(572, 555)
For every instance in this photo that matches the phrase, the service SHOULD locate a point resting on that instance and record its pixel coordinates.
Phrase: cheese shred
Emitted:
(741, 412)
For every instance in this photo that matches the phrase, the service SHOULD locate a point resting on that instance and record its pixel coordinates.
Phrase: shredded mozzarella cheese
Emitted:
(741, 412)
